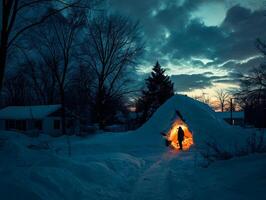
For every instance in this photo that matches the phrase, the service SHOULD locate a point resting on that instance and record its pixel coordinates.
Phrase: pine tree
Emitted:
(159, 88)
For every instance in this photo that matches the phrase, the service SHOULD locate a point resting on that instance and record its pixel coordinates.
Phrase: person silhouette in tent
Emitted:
(180, 137)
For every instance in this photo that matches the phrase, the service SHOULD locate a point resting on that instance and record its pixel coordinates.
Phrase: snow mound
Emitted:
(48, 174)
(200, 118)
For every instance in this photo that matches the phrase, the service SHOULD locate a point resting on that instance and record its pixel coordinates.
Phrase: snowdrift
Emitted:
(30, 173)
(131, 165)
(201, 120)
(97, 170)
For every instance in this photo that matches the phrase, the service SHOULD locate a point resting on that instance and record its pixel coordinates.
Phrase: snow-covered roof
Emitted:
(28, 112)
(225, 115)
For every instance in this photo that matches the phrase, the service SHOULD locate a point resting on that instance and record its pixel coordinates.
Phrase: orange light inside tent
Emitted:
(172, 135)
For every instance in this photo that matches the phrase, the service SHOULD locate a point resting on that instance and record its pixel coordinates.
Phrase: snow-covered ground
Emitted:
(104, 167)
(131, 165)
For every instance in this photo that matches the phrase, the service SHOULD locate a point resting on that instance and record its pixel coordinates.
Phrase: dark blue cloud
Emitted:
(196, 40)
(173, 36)
(189, 82)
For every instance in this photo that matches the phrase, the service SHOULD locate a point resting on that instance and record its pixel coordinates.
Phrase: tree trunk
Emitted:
(3, 50)
(98, 109)
(99, 105)
(2, 65)
(63, 119)
(63, 113)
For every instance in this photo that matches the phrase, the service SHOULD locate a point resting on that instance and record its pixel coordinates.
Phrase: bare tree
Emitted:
(253, 85)
(56, 47)
(80, 87)
(114, 44)
(19, 16)
(203, 97)
(252, 94)
(42, 82)
(38, 75)
(222, 97)
(16, 89)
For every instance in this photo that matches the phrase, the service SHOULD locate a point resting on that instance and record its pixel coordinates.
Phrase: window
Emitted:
(21, 125)
(56, 124)
(11, 124)
(16, 124)
(38, 124)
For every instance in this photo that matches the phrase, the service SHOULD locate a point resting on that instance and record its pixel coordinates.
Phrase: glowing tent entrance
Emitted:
(171, 136)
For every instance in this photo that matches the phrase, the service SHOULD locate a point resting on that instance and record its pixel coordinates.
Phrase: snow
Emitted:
(129, 165)
(28, 112)
(201, 120)
(240, 178)
(102, 168)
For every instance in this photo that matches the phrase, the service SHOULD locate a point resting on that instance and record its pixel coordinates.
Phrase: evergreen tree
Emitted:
(159, 88)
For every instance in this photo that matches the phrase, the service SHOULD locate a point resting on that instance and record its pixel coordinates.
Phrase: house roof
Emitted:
(28, 112)
(225, 115)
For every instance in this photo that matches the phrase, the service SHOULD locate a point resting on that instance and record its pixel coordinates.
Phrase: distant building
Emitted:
(32, 120)
(255, 114)
(237, 117)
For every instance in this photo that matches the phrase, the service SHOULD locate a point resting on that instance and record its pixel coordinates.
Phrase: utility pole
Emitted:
(231, 110)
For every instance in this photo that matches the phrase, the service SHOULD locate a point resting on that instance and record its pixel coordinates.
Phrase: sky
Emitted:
(203, 44)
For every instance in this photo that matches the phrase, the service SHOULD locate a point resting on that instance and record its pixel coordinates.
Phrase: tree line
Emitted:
(74, 54)
(250, 97)
(67, 53)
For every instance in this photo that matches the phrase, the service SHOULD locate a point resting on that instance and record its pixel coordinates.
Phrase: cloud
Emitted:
(245, 66)
(196, 40)
(234, 39)
(175, 35)
(189, 82)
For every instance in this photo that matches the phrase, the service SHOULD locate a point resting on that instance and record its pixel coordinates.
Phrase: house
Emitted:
(255, 113)
(33, 120)
(237, 117)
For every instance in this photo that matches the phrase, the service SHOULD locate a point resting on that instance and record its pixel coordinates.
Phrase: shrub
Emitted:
(256, 143)
(215, 152)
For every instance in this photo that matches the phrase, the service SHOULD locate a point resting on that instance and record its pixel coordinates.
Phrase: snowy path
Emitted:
(168, 178)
